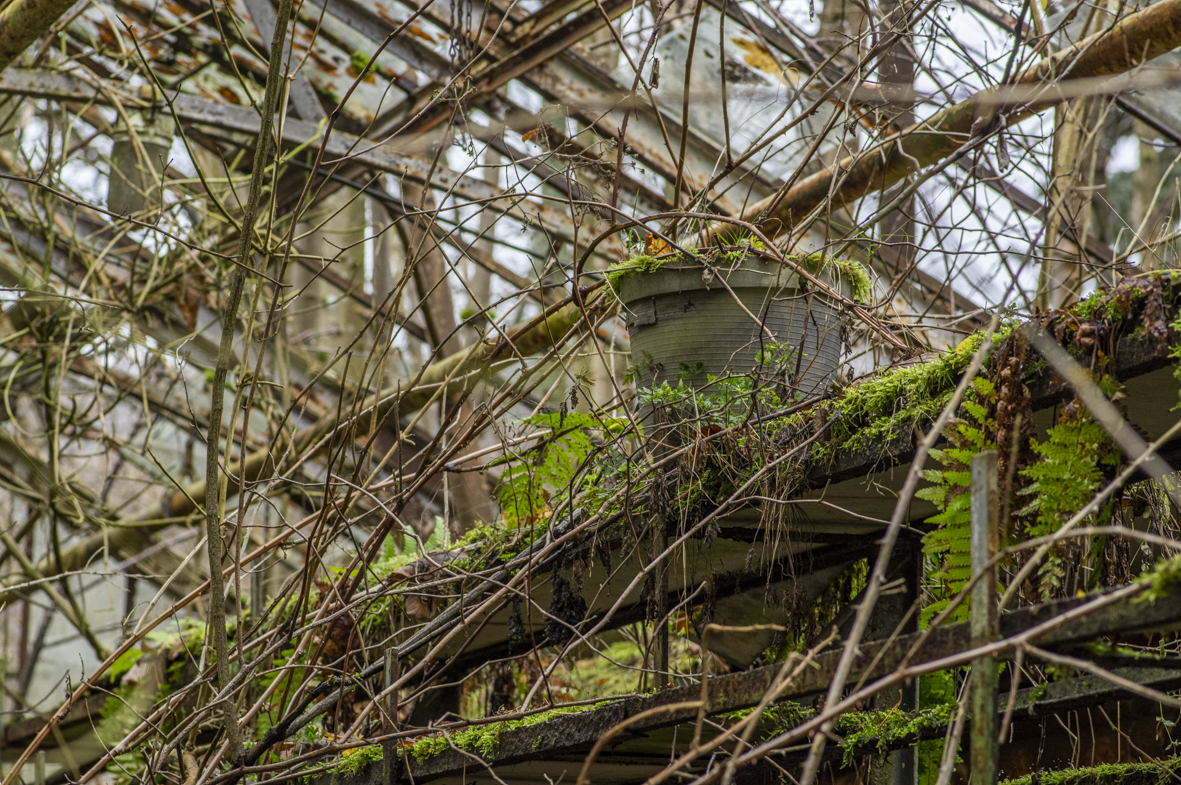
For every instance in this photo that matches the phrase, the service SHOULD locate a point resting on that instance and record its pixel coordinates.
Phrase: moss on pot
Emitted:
(848, 270)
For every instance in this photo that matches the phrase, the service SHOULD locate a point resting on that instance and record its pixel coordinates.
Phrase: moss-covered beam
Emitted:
(882, 418)
(725, 584)
(862, 733)
(572, 733)
(894, 406)
(873, 732)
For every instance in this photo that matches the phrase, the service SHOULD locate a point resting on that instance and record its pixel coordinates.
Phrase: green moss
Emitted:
(1161, 579)
(355, 760)
(878, 408)
(776, 719)
(359, 63)
(1119, 302)
(1154, 773)
(881, 730)
(640, 263)
(1101, 305)
(884, 729)
(848, 270)
(857, 276)
(485, 739)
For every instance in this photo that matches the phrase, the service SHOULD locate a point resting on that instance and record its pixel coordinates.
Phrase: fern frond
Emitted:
(949, 546)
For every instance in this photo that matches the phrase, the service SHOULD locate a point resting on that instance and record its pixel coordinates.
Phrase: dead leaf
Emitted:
(655, 246)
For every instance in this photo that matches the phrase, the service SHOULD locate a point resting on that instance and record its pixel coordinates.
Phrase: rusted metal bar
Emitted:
(258, 604)
(660, 578)
(3, 698)
(983, 620)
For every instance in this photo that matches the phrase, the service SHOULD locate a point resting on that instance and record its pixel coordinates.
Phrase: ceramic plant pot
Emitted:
(685, 323)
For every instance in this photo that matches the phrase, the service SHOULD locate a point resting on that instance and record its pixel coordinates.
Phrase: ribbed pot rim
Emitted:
(753, 273)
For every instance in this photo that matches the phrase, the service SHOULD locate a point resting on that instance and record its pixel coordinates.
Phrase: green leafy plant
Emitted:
(357, 759)
(729, 234)
(125, 662)
(777, 356)
(1160, 578)
(532, 478)
(724, 402)
(949, 546)
(1064, 480)
(741, 240)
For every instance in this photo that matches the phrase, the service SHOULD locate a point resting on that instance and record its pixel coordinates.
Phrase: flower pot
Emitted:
(137, 170)
(688, 323)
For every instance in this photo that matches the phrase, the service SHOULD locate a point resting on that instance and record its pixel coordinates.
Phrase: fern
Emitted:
(1062, 482)
(532, 479)
(949, 546)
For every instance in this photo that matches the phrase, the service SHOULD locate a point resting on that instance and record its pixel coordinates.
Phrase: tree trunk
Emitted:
(23, 22)
(896, 68)
(1065, 265)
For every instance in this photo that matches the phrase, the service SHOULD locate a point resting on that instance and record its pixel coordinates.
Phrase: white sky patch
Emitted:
(86, 180)
(370, 247)
(1125, 155)
(523, 97)
(179, 158)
